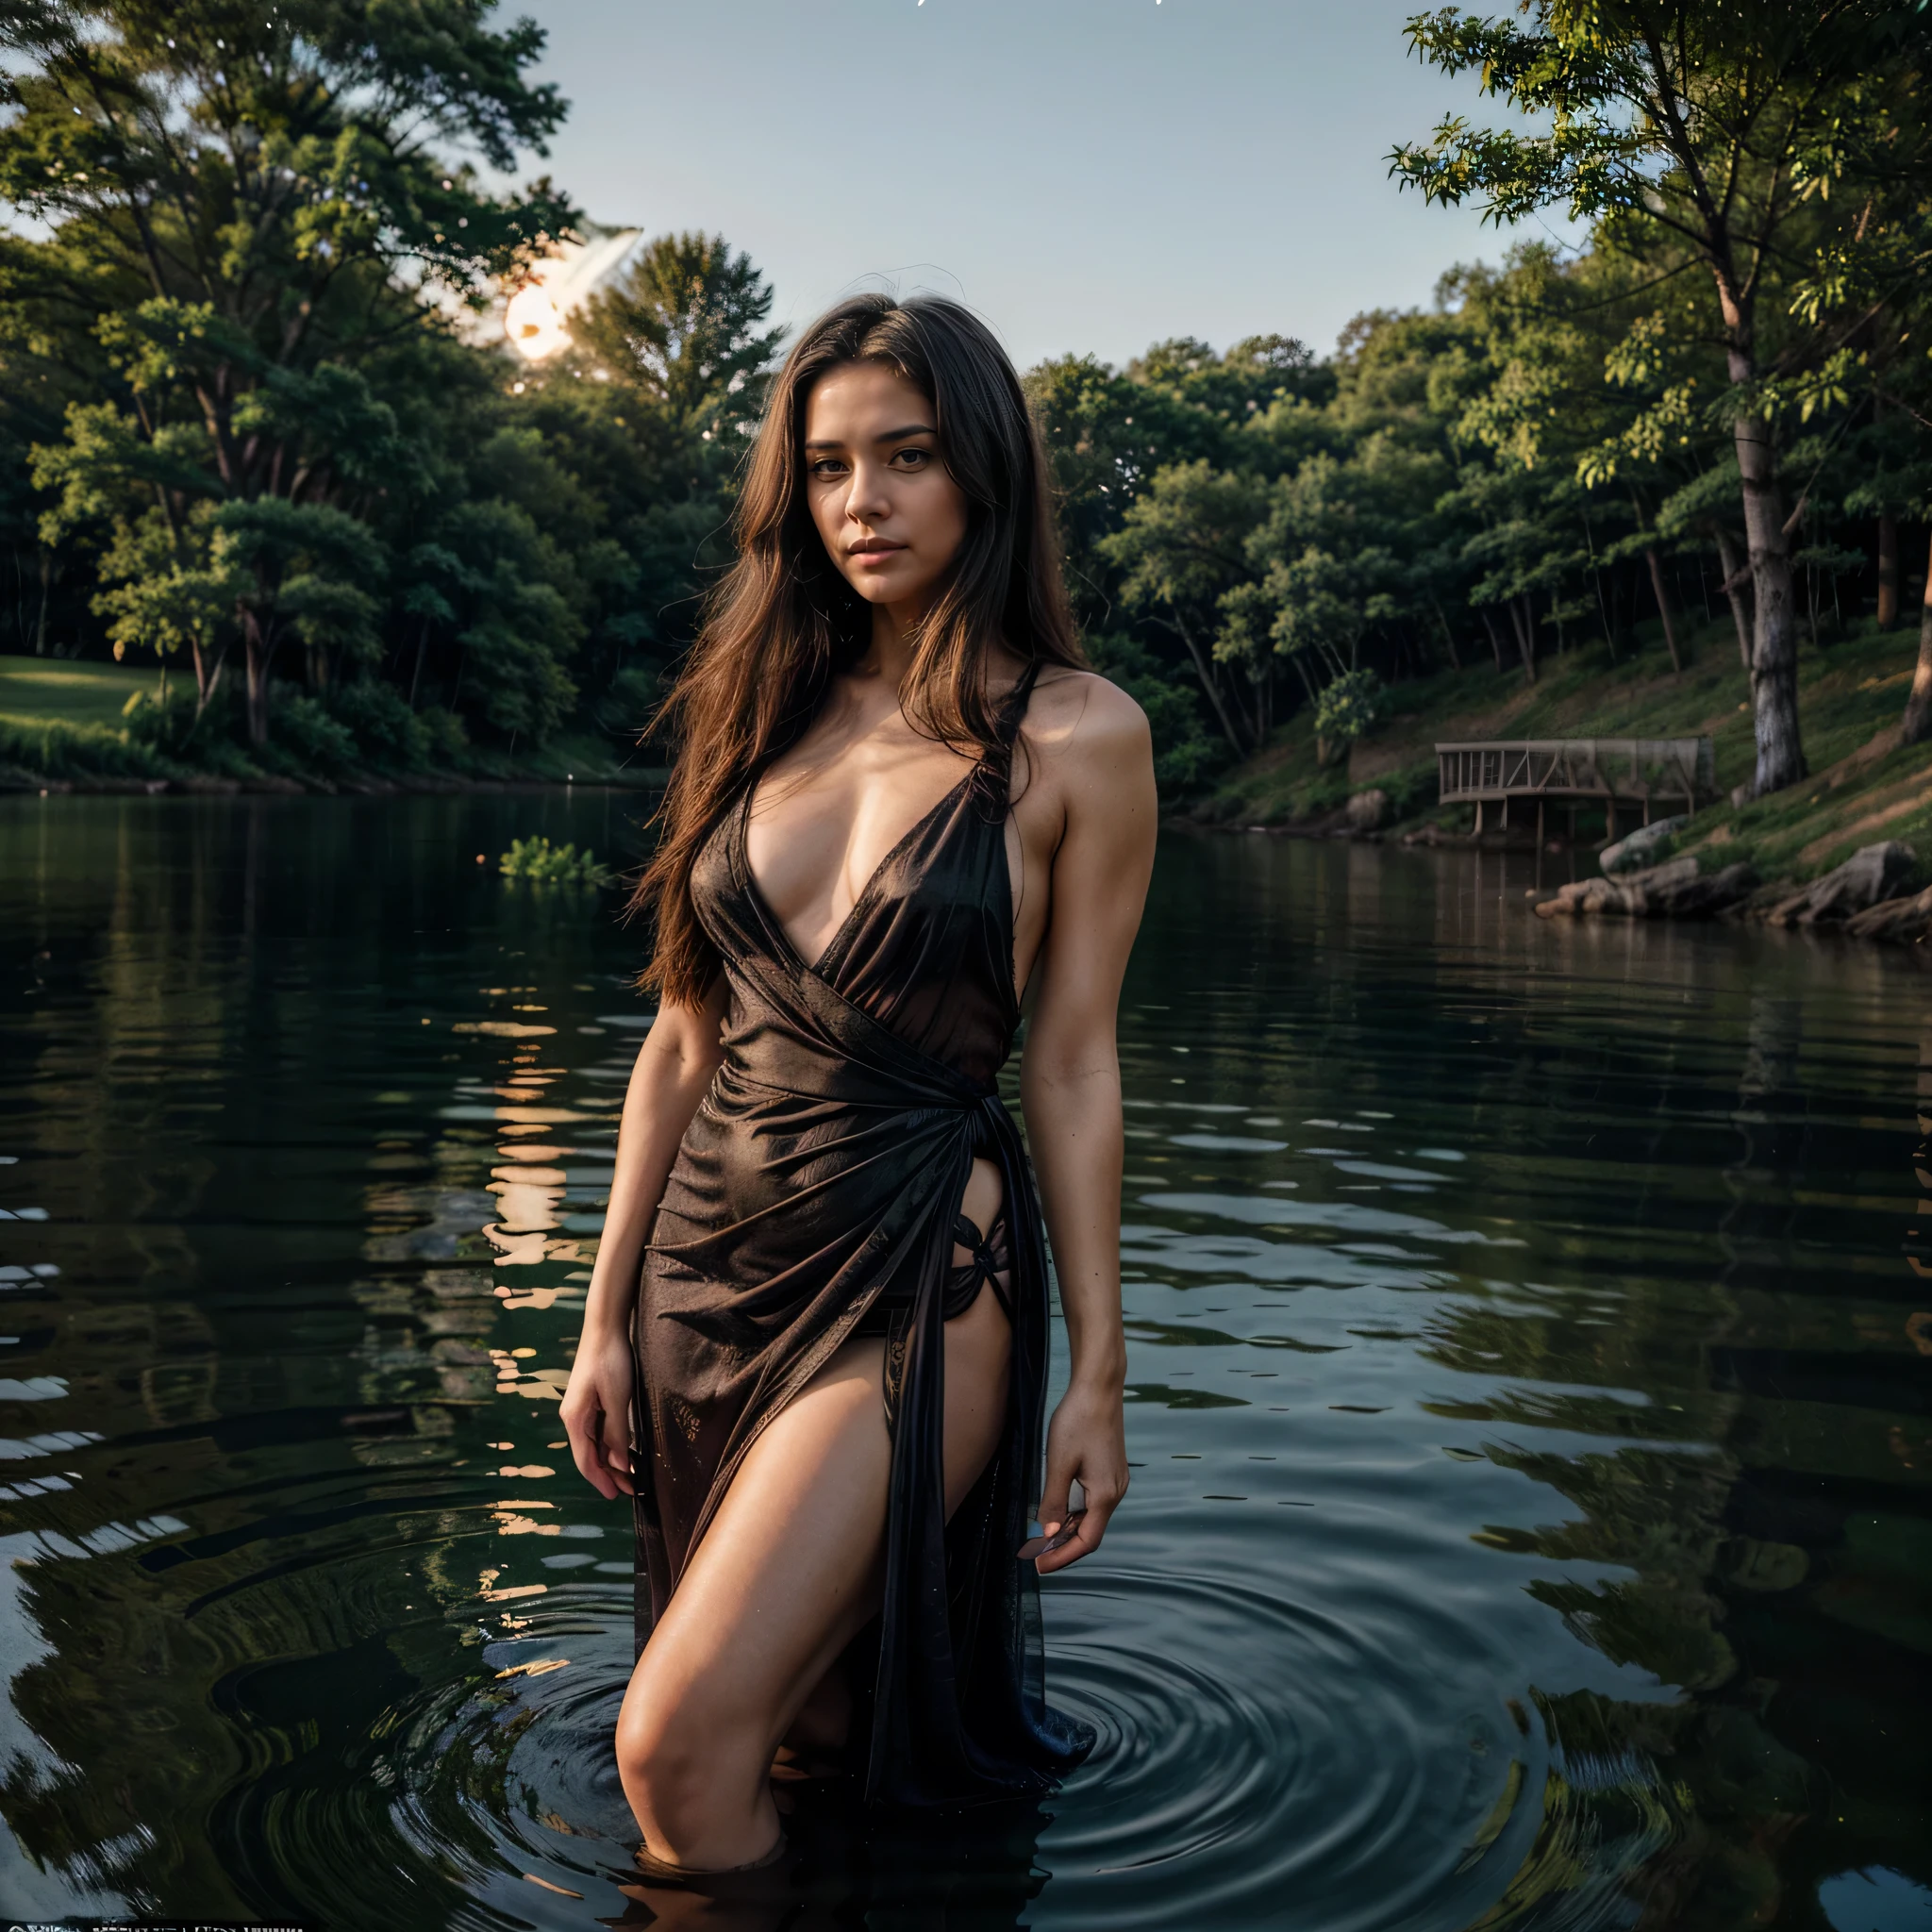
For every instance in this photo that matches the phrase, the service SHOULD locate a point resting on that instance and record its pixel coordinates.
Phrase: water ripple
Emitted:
(1261, 1754)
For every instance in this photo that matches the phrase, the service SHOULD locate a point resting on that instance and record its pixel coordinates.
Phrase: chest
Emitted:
(815, 838)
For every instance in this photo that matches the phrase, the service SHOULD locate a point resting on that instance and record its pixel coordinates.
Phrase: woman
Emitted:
(899, 802)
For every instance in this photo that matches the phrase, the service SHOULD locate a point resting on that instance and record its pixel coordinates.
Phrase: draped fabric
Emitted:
(823, 1168)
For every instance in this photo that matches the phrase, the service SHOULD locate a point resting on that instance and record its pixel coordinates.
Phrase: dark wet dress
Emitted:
(816, 1188)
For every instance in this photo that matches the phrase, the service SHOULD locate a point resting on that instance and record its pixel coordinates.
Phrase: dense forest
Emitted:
(253, 425)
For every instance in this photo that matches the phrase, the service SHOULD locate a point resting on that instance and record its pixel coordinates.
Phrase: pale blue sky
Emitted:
(1090, 174)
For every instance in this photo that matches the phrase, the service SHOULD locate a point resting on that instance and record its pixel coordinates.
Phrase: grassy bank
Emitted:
(105, 725)
(1852, 691)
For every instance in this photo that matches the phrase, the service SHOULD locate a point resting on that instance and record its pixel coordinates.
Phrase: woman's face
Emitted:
(889, 514)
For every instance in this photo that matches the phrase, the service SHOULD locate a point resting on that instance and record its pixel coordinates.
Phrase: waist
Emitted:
(764, 1061)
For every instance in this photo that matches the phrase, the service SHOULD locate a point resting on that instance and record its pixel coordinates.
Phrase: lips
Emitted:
(874, 546)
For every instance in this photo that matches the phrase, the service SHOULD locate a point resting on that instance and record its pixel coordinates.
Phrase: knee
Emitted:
(682, 1763)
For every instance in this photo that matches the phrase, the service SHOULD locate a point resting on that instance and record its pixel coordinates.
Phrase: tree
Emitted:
(684, 327)
(253, 203)
(647, 414)
(1729, 137)
(1342, 550)
(1182, 546)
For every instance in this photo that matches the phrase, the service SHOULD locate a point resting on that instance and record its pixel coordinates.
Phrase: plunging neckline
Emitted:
(865, 892)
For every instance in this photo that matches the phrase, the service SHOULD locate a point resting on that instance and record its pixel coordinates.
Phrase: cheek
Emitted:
(943, 517)
(827, 512)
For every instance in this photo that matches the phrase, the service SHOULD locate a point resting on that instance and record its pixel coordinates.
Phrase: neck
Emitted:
(891, 652)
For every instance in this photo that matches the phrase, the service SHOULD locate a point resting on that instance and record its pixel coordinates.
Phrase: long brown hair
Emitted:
(782, 621)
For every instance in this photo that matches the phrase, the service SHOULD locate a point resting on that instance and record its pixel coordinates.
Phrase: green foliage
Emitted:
(163, 725)
(240, 437)
(1186, 754)
(307, 739)
(386, 732)
(52, 750)
(1350, 706)
(1780, 153)
(684, 329)
(544, 865)
(250, 215)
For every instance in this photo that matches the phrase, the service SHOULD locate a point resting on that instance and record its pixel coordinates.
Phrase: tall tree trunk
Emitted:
(1495, 638)
(416, 675)
(1448, 635)
(1735, 576)
(1887, 571)
(1775, 630)
(1919, 705)
(1298, 660)
(1603, 610)
(40, 621)
(1205, 671)
(1663, 606)
(1522, 616)
(258, 678)
(204, 682)
(1248, 720)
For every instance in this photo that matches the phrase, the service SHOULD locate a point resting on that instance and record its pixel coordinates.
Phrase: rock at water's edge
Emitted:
(1704, 895)
(1672, 891)
(1905, 921)
(1367, 811)
(1871, 876)
(1644, 846)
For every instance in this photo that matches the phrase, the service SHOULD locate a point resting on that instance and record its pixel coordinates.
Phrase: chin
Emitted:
(887, 588)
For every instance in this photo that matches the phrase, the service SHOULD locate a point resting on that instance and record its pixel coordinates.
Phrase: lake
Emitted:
(1531, 1403)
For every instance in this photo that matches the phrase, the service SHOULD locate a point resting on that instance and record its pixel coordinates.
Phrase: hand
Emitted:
(1086, 1442)
(596, 1414)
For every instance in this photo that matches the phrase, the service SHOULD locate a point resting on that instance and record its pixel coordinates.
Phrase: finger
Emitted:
(1084, 1541)
(584, 1451)
(1053, 1498)
(617, 1448)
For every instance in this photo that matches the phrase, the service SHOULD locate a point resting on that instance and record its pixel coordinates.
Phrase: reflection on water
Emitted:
(1530, 1370)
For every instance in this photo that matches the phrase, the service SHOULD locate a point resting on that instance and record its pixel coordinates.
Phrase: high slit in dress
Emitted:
(816, 1194)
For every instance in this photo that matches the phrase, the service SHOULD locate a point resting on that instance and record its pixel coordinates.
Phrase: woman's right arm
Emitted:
(674, 1068)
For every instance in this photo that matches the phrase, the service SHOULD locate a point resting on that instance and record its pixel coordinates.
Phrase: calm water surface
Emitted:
(1531, 1405)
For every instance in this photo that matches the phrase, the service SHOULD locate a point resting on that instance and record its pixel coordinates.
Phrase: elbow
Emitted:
(1072, 1072)
(687, 1057)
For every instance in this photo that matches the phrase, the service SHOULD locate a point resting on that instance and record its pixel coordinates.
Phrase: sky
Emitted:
(1090, 175)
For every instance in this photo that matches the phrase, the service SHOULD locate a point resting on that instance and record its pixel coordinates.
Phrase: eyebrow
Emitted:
(898, 435)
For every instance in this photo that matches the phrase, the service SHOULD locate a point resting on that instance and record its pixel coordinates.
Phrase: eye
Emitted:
(825, 466)
(915, 458)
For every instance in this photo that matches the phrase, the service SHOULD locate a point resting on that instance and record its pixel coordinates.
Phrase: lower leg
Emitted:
(825, 1719)
(782, 1578)
(977, 1341)
(788, 1572)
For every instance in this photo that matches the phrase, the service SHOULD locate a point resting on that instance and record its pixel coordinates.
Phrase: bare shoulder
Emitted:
(1086, 729)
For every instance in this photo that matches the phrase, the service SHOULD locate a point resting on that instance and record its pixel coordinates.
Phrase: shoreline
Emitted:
(1850, 902)
(1676, 889)
(1853, 834)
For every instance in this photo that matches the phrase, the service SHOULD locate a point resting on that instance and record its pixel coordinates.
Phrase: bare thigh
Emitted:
(790, 1566)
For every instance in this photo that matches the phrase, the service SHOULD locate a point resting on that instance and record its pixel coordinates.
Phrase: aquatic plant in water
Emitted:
(544, 865)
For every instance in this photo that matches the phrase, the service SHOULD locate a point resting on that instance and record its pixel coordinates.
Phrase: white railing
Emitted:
(1643, 770)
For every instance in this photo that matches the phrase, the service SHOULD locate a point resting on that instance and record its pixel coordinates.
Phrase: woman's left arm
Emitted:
(1070, 1087)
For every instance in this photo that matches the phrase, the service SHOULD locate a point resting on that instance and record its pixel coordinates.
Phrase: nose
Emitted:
(868, 500)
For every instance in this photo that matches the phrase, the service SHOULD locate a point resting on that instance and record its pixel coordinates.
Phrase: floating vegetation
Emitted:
(544, 865)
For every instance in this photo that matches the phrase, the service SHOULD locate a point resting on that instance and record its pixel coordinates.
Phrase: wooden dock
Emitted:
(1639, 772)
